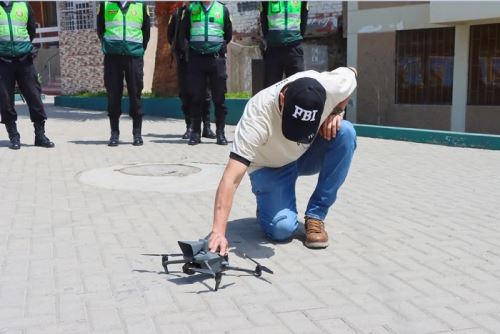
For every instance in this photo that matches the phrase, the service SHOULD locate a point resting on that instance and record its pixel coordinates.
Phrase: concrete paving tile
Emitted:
(411, 251)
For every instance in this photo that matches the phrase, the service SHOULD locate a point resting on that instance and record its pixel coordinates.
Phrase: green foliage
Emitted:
(238, 95)
(147, 95)
(90, 94)
(104, 94)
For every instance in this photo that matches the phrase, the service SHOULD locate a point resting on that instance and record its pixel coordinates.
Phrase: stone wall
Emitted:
(81, 62)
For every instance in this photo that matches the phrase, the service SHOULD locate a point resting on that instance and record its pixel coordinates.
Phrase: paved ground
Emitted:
(415, 241)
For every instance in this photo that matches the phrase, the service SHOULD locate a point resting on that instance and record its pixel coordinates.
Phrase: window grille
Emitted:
(484, 65)
(424, 69)
(77, 15)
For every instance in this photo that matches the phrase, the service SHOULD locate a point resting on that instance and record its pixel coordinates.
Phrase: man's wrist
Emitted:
(218, 230)
(337, 113)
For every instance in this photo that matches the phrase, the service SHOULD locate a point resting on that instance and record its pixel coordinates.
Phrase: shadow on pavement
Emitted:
(6, 144)
(246, 236)
(89, 142)
(176, 141)
(166, 136)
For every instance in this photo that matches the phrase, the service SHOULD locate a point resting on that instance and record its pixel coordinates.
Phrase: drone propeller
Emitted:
(147, 254)
(259, 267)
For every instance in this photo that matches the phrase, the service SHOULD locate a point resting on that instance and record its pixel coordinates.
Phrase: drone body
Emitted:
(198, 259)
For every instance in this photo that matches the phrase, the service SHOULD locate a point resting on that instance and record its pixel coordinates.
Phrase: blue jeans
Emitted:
(274, 188)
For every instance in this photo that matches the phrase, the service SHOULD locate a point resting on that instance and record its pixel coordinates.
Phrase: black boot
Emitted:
(114, 139)
(207, 131)
(40, 139)
(14, 137)
(115, 131)
(187, 134)
(221, 137)
(136, 131)
(194, 139)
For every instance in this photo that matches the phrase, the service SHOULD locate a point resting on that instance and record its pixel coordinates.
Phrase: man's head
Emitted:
(301, 104)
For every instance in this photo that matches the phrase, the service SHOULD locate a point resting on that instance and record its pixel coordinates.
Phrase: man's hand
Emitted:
(218, 242)
(330, 126)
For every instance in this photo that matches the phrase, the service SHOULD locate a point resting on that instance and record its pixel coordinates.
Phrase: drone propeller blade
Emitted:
(175, 261)
(245, 270)
(267, 270)
(147, 254)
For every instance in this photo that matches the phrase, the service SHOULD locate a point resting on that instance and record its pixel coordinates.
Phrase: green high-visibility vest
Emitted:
(207, 27)
(123, 33)
(283, 22)
(14, 38)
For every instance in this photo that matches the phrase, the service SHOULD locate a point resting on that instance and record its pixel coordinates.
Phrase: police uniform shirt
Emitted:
(258, 139)
(228, 25)
(31, 25)
(146, 22)
(264, 21)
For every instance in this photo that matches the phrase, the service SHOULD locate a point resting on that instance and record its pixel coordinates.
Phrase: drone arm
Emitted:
(175, 261)
(250, 271)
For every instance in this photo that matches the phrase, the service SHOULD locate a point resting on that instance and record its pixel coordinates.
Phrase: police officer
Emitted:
(180, 51)
(17, 31)
(283, 26)
(124, 28)
(207, 26)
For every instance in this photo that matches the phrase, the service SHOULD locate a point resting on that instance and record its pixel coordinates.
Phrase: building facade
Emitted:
(426, 64)
(81, 56)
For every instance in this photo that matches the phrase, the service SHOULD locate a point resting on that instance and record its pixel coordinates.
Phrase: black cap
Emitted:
(304, 103)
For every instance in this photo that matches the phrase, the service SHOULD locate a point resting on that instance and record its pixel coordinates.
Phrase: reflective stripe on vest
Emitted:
(207, 27)
(284, 19)
(123, 33)
(14, 37)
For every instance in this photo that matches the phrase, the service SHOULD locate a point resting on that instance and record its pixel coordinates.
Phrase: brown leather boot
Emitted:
(316, 236)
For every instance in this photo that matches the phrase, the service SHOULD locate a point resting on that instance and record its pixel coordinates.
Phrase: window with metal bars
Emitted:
(484, 65)
(77, 15)
(424, 66)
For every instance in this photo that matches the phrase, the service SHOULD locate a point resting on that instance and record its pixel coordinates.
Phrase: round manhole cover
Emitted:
(160, 170)
(157, 177)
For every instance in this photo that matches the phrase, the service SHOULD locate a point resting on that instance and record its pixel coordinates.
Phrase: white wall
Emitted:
(460, 11)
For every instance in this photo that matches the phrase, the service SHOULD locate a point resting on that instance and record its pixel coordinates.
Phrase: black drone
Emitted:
(198, 259)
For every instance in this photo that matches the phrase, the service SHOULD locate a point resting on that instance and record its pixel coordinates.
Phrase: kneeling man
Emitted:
(276, 141)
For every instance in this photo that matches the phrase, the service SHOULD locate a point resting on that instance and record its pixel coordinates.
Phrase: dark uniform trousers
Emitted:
(184, 88)
(211, 70)
(22, 71)
(282, 59)
(116, 67)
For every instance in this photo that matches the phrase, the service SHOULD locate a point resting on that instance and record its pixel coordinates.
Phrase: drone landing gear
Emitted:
(164, 262)
(218, 279)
